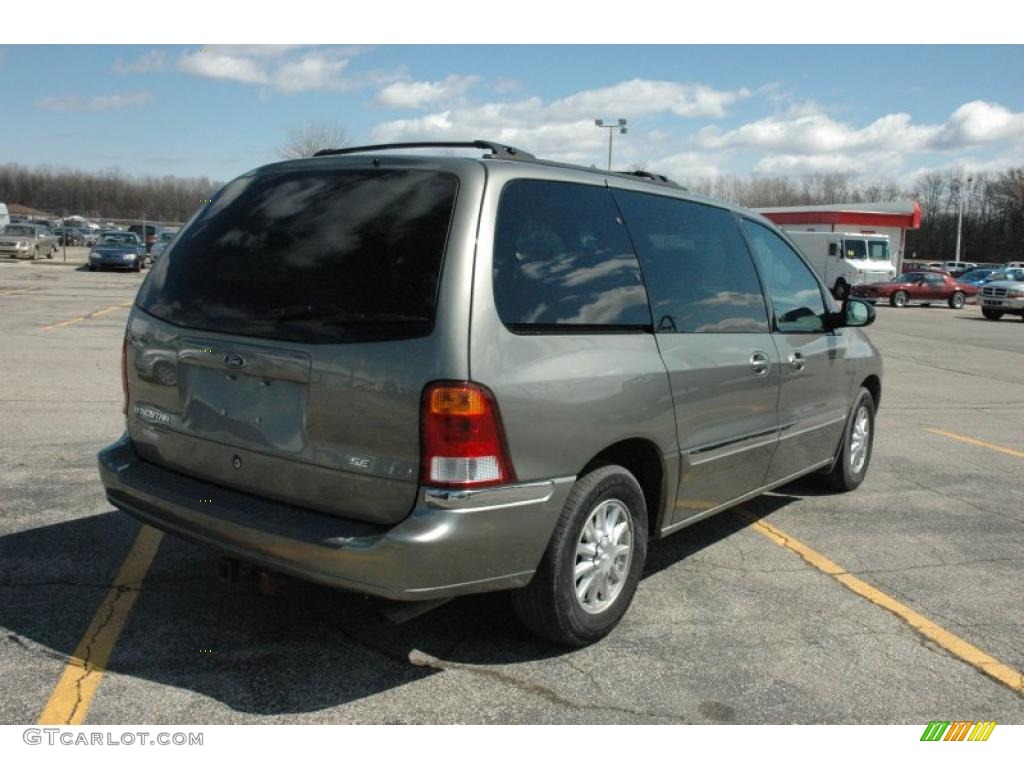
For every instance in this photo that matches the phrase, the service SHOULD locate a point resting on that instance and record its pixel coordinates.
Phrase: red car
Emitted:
(923, 287)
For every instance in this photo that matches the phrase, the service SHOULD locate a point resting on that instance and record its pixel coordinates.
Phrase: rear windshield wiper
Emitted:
(332, 314)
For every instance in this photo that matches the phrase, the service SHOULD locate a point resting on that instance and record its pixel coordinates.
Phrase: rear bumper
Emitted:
(452, 543)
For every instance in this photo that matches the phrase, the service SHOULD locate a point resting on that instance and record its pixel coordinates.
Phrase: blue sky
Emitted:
(208, 110)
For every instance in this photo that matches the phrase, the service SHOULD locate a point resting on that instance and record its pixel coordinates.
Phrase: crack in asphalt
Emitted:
(907, 478)
(418, 658)
(421, 659)
(35, 649)
(86, 670)
(906, 568)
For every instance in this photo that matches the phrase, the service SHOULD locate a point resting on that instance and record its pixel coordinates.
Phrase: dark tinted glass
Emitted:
(563, 261)
(796, 294)
(324, 256)
(698, 271)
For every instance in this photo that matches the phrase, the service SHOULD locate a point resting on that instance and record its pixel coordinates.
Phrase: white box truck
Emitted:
(5, 217)
(845, 259)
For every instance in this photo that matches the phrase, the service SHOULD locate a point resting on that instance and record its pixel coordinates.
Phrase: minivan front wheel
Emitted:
(855, 454)
(591, 568)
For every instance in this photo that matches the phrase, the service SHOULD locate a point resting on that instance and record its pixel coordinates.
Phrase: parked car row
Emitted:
(999, 292)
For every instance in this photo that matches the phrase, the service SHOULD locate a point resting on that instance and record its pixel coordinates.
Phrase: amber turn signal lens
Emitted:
(457, 401)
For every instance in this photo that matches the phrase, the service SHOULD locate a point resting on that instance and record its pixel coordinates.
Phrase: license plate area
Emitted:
(236, 408)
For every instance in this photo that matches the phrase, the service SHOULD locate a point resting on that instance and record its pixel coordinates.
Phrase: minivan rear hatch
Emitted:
(286, 335)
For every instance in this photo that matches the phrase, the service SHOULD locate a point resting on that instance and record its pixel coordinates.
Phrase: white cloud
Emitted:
(76, 103)
(280, 68)
(980, 122)
(222, 66)
(412, 95)
(799, 165)
(152, 61)
(564, 129)
(645, 97)
(685, 165)
(815, 133)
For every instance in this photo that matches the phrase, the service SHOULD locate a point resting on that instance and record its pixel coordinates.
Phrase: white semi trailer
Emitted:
(845, 259)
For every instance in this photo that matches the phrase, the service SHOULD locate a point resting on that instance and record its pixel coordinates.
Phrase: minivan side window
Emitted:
(795, 293)
(563, 262)
(698, 271)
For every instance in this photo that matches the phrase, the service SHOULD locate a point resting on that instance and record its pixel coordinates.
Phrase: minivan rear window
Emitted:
(318, 256)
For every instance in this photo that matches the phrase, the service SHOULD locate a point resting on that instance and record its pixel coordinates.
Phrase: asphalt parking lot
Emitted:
(800, 608)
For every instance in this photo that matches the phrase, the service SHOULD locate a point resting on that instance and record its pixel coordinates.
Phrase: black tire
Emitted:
(844, 476)
(899, 299)
(842, 290)
(991, 314)
(548, 605)
(957, 300)
(92, 268)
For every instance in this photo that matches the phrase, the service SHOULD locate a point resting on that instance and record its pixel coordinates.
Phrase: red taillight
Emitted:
(124, 374)
(463, 444)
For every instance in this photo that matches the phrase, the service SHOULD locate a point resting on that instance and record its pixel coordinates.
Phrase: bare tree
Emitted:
(311, 138)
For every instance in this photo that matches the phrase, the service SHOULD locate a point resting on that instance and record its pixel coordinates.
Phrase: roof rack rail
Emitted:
(497, 150)
(657, 178)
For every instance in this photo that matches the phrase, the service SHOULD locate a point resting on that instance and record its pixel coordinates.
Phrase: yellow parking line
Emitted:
(979, 443)
(17, 291)
(69, 703)
(97, 313)
(958, 647)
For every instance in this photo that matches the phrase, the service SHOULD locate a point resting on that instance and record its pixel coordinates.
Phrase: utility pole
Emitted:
(960, 218)
(620, 125)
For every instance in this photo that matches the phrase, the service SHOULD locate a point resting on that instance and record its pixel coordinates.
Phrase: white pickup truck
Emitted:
(1003, 294)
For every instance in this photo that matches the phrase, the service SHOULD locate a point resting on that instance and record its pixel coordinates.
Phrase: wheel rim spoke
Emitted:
(604, 553)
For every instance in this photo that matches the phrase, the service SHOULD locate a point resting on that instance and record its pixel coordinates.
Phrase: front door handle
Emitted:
(796, 361)
(759, 363)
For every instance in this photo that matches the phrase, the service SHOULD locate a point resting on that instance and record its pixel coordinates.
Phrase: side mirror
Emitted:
(854, 314)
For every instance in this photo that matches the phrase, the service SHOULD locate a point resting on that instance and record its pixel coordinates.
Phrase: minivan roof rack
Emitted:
(657, 178)
(502, 151)
(497, 152)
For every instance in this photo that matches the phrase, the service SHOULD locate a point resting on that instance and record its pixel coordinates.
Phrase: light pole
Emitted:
(620, 125)
(960, 219)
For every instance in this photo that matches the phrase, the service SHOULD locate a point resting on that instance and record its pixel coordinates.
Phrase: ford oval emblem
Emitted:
(234, 361)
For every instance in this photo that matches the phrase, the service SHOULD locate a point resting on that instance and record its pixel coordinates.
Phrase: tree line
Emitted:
(104, 195)
(993, 206)
(993, 201)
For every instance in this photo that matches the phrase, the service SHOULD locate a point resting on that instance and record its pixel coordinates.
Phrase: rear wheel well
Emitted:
(643, 459)
(874, 386)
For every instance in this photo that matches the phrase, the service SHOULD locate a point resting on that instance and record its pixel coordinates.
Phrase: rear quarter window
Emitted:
(563, 262)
